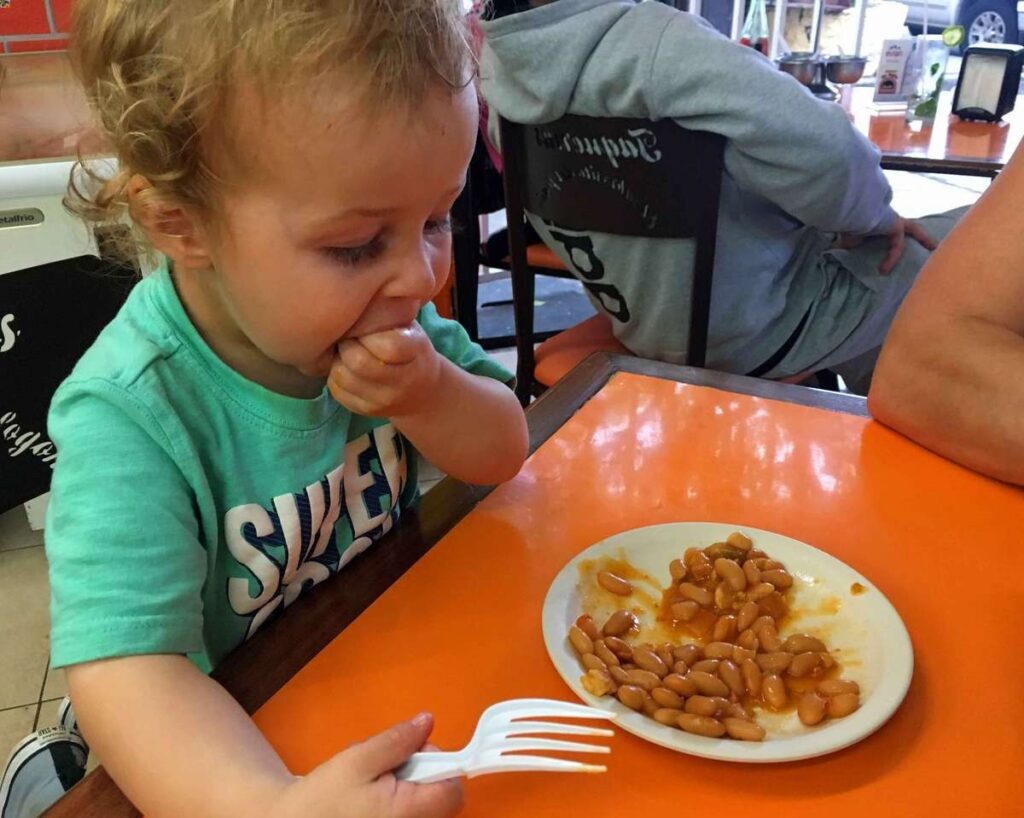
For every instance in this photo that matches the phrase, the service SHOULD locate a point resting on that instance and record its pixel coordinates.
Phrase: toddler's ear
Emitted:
(170, 228)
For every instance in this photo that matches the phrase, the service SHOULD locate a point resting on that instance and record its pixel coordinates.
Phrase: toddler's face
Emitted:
(340, 228)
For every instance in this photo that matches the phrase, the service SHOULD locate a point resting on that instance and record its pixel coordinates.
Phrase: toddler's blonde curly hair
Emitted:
(160, 75)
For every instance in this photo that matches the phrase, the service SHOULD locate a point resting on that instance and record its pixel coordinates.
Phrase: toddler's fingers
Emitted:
(355, 356)
(386, 751)
(396, 346)
(356, 404)
(440, 800)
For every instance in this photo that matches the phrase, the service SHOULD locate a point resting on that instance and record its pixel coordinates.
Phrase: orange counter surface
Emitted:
(461, 629)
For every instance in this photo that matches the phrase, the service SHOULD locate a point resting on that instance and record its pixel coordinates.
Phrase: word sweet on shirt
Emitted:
(25, 441)
(293, 544)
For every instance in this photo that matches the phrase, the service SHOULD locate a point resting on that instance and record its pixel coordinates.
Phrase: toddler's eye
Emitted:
(353, 256)
(438, 226)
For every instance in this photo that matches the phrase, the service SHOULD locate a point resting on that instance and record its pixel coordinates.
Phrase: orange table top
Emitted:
(461, 629)
(947, 145)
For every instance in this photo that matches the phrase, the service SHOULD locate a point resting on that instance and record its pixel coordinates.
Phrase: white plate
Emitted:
(863, 630)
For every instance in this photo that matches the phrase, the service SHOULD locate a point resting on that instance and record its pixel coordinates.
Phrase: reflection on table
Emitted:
(948, 145)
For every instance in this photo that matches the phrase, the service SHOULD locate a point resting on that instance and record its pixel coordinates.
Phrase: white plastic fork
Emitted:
(496, 733)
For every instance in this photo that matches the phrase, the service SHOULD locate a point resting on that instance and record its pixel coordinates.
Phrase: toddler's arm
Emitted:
(470, 426)
(179, 745)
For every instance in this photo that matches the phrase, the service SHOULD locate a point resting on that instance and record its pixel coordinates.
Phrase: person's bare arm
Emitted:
(178, 745)
(951, 373)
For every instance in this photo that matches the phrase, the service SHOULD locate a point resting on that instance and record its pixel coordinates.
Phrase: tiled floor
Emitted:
(29, 695)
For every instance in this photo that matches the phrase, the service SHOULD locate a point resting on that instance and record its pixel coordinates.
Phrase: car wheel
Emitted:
(989, 21)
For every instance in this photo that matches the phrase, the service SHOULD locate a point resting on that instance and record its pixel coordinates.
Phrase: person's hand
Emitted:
(898, 240)
(359, 782)
(385, 374)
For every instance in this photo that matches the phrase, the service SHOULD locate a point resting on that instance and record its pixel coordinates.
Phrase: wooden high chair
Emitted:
(546, 173)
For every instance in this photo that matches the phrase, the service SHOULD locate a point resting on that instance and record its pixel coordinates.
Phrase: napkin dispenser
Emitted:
(988, 82)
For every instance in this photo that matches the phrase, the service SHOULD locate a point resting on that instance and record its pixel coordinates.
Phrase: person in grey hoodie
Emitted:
(811, 260)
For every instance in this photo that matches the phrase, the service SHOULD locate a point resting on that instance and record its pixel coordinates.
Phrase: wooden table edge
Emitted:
(255, 671)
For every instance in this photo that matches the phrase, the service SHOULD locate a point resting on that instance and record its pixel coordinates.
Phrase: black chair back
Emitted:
(622, 176)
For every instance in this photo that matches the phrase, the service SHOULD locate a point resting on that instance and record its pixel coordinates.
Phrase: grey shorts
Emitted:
(850, 318)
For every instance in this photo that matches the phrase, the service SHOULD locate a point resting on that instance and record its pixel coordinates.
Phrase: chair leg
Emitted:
(466, 255)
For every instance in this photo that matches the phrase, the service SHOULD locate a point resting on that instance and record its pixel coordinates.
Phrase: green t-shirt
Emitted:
(190, 504)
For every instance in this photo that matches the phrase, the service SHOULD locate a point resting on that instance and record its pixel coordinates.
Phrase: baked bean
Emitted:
(688, 653)
(619, 623)
(667, 716)
(756, 554)
(684, 611)
(729, 673)
(770, 639)
(707, 684)
(681, 668)
(592, 661)
(718, 650)
(760, 591)
(701, 706)
(597, 682)
(810, 707)
(748, 640)
(778, 578)
(740, 541)
(644, 678)
(740, 655)
(773, 605)
(772, 565)
(614, 583)
(743, 730)
(679, 684)
(725, 629)
(745, 618)
(774, 662)
(701, 596)
(605, 655)
(842, 704)
(827, 662)
(701, 725)
(586, 624)
(723, 550)
(803, 664)
(650, 707)
(582, 643)
(735, 710)
(833, 687)
(751, 677)
(666, 697)
(619, 675)
(706, 665)
(677, 570)
(619, 647)
(631, 696)
(760, 622)
(647, 659)
(751, 572)
(773, 689)
(730, 571)
(801, 643)
(665, 654)
(724, 596)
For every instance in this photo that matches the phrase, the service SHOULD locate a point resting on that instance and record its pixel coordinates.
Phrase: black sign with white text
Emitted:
(49, 316)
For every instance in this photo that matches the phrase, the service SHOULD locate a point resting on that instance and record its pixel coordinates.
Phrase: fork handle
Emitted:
(428, 767)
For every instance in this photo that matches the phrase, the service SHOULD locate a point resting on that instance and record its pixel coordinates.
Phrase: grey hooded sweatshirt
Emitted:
(797, 173)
